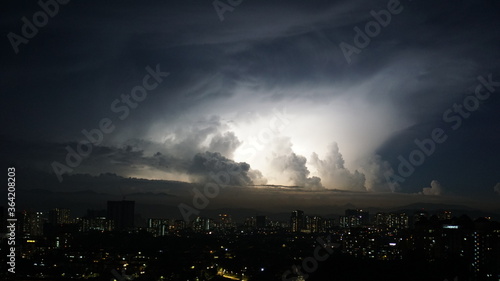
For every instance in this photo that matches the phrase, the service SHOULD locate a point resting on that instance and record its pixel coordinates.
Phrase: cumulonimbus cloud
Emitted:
(334, 174)
(294, 170)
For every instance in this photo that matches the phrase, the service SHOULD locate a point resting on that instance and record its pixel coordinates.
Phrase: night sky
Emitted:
(312, 103)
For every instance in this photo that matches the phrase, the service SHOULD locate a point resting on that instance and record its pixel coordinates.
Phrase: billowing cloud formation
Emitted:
(206, 167)
(293, 168)
(225, 144)
(377, 173)
(334, 174)
(199, 151)
(189, 153)
(496, 188)
(435, 189)
(203, 134)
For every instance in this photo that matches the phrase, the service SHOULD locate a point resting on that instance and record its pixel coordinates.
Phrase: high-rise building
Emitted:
(95, 223)
(381, 219)
(225, 221)
(329, 224)
(32, 223)
(201, 224)
(445, 215)
(297, 221)
(478, 257)
(486, 250)
(122, 213)
(158, 227)
(419, 216)
(96, 220)
(250, 222)
(399, 221)
(59, 216)
(355, 218)
(349, 221)
(179, 225)
(315, 224)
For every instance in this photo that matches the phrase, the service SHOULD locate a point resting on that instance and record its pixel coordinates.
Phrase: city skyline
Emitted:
(182, 105)
(120, 216)
(137, 215)
(449, 244)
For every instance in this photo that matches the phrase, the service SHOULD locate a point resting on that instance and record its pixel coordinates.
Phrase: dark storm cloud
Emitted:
(206, 166)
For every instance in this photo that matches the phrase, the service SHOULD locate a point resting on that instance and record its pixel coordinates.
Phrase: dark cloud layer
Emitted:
(208, 163)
